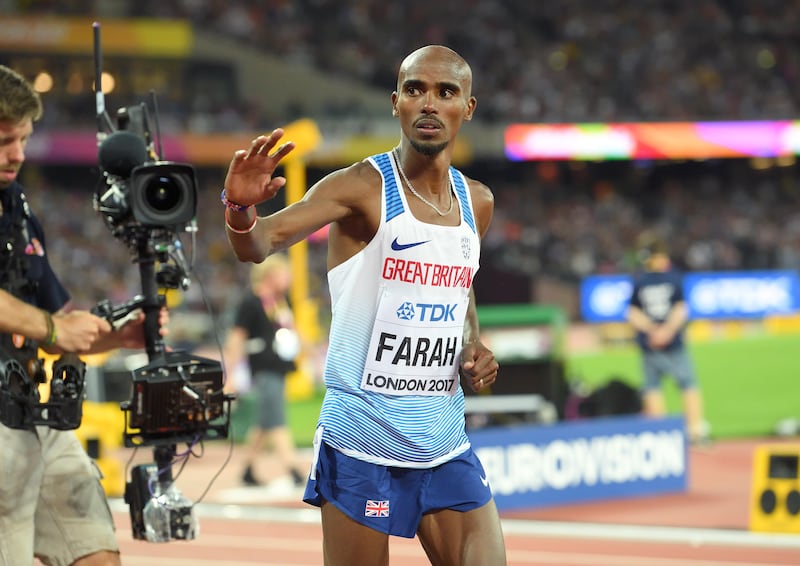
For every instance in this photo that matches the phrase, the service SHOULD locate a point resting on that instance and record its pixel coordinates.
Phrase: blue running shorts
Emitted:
(391, 499)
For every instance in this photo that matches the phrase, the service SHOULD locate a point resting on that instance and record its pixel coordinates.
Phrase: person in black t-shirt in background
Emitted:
(263, 335)
(658, 313)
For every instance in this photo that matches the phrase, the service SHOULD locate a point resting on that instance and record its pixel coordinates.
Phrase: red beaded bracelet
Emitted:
(232, 205)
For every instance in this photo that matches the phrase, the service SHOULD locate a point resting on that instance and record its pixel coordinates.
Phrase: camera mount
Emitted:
(20, 404)
(177, 396)
(21, 370)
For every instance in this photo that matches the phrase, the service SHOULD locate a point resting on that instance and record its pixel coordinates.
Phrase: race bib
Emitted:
(415, 347)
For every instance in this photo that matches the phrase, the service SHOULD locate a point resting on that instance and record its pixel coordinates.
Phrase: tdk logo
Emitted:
(427, 312)
(406, 311)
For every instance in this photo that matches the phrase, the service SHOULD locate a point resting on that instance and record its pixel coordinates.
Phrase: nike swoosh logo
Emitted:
(396, 246)
(484, 481)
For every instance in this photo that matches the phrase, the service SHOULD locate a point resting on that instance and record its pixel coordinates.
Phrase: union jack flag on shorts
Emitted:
(376, 508)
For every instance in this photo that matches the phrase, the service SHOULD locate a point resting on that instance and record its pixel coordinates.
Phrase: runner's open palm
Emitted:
(250, 177)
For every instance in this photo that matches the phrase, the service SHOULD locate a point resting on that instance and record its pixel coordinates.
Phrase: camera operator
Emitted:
(51, 502)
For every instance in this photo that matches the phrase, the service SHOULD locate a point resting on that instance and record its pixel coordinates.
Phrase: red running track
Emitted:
(247, 542)
(705, 526)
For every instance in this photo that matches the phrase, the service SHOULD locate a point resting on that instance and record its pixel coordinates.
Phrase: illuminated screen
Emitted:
(652, 140)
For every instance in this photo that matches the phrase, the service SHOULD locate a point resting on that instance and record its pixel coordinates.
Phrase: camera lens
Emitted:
(163, 194)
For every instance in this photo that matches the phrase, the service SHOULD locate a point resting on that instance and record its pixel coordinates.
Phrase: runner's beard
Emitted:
(429, 149)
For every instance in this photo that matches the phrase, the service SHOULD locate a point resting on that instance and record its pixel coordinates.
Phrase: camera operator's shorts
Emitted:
(51, 501)
(390, 499)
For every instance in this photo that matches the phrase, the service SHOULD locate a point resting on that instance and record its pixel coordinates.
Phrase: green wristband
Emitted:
(52, 335)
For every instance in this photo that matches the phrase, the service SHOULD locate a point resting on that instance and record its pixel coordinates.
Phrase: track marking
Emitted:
(520, 527)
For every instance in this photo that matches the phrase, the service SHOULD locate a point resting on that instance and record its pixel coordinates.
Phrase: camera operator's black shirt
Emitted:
(49, 293)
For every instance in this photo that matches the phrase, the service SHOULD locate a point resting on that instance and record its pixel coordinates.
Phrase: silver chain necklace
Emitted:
(419, 196)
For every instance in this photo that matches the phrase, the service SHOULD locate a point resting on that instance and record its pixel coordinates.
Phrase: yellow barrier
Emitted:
(782, 325)
(101, 429)
(775, 493)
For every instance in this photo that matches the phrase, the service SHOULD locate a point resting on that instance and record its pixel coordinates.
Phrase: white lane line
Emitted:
(692, 536)
(521, 527)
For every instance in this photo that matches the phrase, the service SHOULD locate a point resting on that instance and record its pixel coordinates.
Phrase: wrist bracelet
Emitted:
(237, 230)
(232, 205)
(52, 335)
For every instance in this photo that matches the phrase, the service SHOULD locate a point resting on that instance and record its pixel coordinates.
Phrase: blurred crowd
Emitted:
(570, 61)
(553, 219)
(570, 220)
(565, 61)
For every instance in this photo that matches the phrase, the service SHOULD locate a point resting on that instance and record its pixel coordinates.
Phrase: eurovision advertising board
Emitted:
(530, 466)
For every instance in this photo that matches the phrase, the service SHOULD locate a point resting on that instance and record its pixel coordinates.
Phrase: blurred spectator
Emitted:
(263, 338)
(658, 313)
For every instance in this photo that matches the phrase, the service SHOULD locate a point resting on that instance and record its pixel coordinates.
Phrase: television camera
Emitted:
(177, 397)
